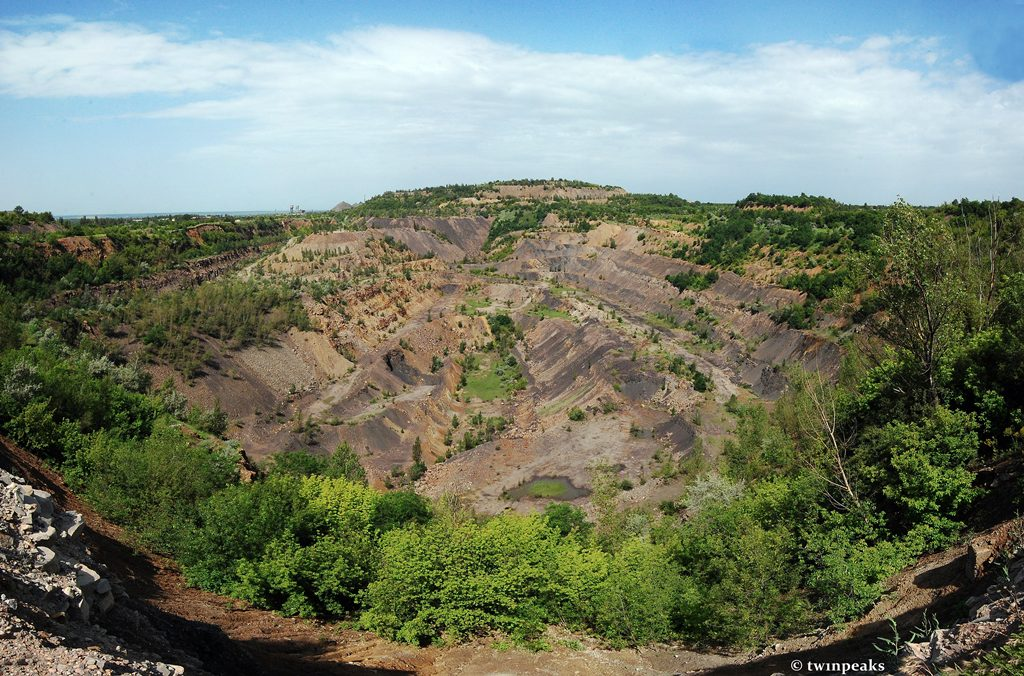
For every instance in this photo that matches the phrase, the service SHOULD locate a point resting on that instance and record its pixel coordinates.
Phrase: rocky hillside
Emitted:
(402, 309)
(54, 593)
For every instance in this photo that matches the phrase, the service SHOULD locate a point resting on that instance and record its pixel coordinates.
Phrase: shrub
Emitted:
(317, 566)
(743, 557)
(693, 280)
(235, 525)
(450, 579)
(342, 463)
(154, 486)
(640, 598)
(920, 472)
(567, 519)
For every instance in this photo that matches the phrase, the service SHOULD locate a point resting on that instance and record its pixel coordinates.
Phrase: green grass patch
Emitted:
(546, 312)
(474, 304)
(494, 378)
(662, 321)
(501, 253)
(547, 488)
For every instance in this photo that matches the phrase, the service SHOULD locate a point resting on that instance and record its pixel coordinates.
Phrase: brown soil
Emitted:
(369, 377)
(87, 249)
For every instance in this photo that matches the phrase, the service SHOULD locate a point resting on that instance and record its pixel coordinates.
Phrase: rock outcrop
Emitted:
(992, 616)
(52, 592)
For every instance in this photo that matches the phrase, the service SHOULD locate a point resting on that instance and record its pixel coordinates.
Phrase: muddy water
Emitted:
(549, 487)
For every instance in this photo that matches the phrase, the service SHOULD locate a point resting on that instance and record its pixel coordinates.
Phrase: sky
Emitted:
(127, 106)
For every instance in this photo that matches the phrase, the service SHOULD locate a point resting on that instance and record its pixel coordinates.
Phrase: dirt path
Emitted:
(418, 393)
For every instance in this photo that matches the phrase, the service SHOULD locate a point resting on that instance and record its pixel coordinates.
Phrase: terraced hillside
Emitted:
(607, 363)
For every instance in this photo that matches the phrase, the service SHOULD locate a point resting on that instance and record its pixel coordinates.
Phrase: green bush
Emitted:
(744, 558)
(920, 473)
(449, 580)
(567, 519)
(153, 486)
(850, 555)
(642, 596)
(693, 280)
(235, 525)
(342, 463)
(322, 560)
(796, 316)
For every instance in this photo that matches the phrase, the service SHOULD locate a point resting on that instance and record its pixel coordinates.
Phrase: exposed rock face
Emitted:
(467, 234)
(196, 233)
(51, 591)
(992, 616)
(86, 249)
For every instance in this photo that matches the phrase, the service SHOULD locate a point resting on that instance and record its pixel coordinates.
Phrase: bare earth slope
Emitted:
(402, 316)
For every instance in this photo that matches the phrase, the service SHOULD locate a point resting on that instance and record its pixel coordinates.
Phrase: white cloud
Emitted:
(37, 20)
(861, 121)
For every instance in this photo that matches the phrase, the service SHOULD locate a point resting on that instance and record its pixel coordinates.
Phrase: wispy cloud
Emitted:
(37, 20)
(851, 117)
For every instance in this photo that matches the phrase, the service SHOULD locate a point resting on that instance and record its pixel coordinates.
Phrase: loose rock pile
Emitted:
(992, 616)
(51, 591)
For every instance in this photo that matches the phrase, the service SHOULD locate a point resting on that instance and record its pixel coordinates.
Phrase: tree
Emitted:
(920, 473)
(418, 468)
(922, 296)
(813, 411)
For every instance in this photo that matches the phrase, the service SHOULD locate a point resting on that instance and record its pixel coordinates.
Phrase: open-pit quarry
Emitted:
(611, 366)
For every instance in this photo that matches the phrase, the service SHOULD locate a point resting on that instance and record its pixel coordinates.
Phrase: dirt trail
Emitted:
(418, 393)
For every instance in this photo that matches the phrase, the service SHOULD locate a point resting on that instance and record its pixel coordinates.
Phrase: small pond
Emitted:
(548, 488)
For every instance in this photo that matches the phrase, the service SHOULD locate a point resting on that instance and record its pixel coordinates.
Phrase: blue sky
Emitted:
(141, 106)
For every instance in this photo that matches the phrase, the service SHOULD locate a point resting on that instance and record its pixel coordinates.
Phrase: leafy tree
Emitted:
(153, 486)
(921, 472)
(641, 597)
(418, 468)
(398, 508)
(320, 564)
(743, 556)
(921, 294)
(567, 519)
(454, 580)
(850, 557)
(235, 525)
(343, 463)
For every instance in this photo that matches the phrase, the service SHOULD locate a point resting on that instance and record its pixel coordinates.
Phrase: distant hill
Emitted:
(341, 206)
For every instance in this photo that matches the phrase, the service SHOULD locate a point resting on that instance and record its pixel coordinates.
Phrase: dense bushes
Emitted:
(796, 316)
(51, 395)
(342, 463)
(152, 486)
(323, 556)
(692, 280)
(116, 445)
(452, 579)
(35, 266)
